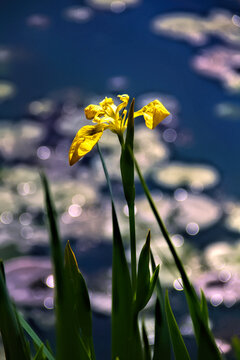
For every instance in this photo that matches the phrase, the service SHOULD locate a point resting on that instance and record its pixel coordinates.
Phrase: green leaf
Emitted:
(162, 345)
(204, 337)
(69, 343)
(162, 342)
(126, 161)
(147, 350)
(34, 337)
(145, 284)
(124, 325)
(127, 172)
(204, 308)
(236, 346)
(122, 316)
(80, 298)
(179, 348)
(14, 343)
(143, 276)
(39, 355)
(153, 282)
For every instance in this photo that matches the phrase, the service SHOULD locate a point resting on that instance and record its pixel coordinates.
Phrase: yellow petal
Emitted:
(153, 113)
(108, 107)
(124, 98)
(84, 141)
(106, 102)
(92, 110)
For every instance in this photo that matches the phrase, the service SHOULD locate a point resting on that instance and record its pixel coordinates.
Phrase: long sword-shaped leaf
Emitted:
(35, 337)
(39, 355)
(69, 343)
(179, 347)
(147, 350)
(203, 334)
(145, 283)
(162, 342)
(236, 346)
(81, 301)
(14, 343)
(127, 172)
(122, 314)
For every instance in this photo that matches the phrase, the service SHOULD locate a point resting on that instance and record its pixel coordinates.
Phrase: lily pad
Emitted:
(196, 29)
(196, 176)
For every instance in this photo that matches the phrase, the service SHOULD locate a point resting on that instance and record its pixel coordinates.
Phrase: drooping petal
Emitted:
(153, 113)
(84, 141)
(92, 110)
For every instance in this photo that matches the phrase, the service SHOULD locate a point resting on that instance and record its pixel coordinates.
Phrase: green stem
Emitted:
(163, 229)
(131, 210)
(131, 216)
(120, 138)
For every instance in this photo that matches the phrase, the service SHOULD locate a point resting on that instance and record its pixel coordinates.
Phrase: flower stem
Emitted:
(131, 215)
(131, 210)
(120, 138)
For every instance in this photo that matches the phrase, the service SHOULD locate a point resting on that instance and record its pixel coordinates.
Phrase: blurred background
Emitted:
(56, 57)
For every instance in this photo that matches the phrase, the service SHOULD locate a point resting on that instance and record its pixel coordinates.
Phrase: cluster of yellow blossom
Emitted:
(107, 115)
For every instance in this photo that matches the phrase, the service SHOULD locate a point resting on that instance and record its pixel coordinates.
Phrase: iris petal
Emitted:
(92, 110)
(84, 141)
(153, 113)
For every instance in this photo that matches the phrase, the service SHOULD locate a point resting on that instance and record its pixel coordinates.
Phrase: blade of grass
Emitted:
(179, 347)
(204, 308)
(34, 337)
(69, 342)
(145, 283)
(39, 355)
(162, 342)
(81, 301)
(143, 276)
(147, 350)
(15, 345)
(202, 332)
(124, 325)
(236, 346)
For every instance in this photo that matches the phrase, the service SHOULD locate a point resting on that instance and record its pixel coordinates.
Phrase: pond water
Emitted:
(56, 58)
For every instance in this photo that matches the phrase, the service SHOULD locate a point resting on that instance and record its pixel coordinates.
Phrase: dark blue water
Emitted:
(86, 55)
(67, 54)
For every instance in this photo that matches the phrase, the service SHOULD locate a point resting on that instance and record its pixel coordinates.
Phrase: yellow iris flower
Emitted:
(107, 115)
